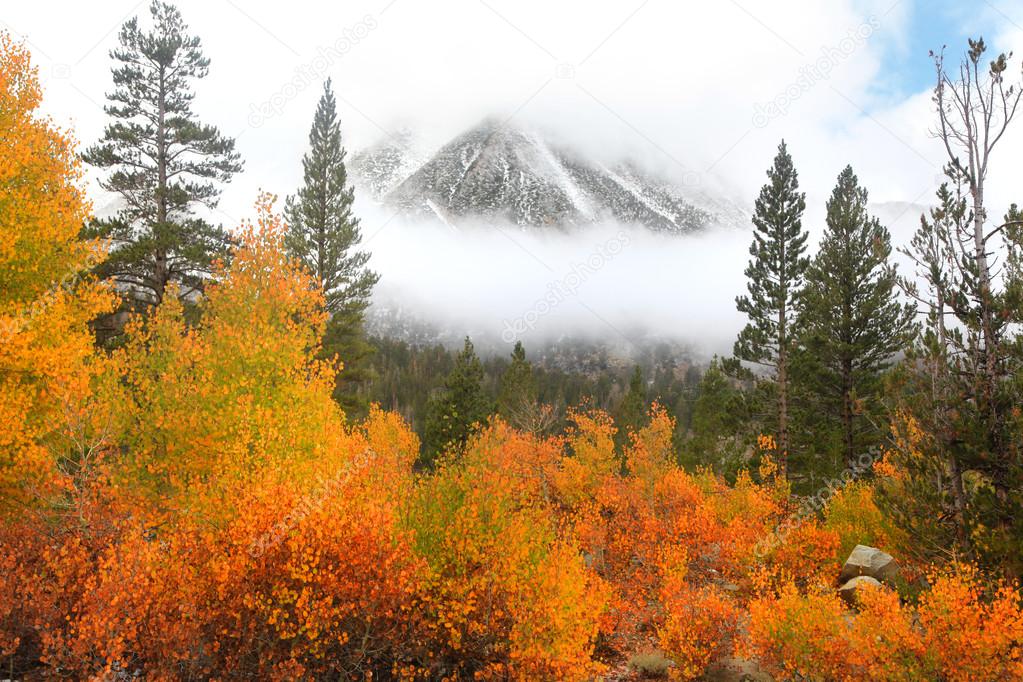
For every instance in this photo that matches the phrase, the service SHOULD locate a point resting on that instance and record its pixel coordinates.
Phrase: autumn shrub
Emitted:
(973, 629)
(632, 519)
(961, 629)
(49, 370)
(52, 422)
(884, 635)
(204, 406)
(591, 456)
(698, 629)
(506, 593)
(800, 636)
(854, 514)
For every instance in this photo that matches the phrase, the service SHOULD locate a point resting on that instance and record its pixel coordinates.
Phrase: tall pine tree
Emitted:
(775, 277)
(463, 405)
(851, 320)
(323, 233)
(163, 162)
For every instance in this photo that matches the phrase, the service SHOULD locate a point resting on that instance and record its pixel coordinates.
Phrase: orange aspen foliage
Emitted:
(959, 630)
(976, 631)
(593, 458)
(49, 425)
(42, 203)
(699, 628)
(507, 593)
(797, 636)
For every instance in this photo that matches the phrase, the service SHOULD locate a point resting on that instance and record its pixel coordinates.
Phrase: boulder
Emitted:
(869, 561)
(849, 589)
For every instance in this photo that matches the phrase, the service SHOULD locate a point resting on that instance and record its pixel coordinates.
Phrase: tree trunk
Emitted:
(847, 414)
(783, 392)
(984, 280)
(939, 397)
(783, 369)
(991, 352)
(161, 274)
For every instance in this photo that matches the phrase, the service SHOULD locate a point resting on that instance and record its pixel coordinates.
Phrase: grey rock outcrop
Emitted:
(849, 590)
(869, 561)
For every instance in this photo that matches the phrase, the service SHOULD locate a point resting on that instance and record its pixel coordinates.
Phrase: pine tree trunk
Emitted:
(783, 392)
(161, 273)
(783, 379)
(991, 351)
(847, 413)
(321, 236)
(984, 280)
(940, 400)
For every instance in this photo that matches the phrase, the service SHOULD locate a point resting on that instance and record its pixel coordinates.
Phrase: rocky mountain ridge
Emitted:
(497, 171)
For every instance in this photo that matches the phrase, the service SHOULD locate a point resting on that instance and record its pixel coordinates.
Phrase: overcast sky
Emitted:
(708, 86)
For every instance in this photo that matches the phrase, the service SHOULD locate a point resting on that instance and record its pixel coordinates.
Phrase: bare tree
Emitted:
(965, 395)
(975, 108)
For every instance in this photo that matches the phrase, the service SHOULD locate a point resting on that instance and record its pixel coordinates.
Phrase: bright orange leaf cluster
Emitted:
(959, 630)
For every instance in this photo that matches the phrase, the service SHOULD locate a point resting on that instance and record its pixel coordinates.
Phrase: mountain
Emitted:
(496, 171)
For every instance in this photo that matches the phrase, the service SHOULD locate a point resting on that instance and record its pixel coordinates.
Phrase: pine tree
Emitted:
(929, 386)
(775, 277)
(851, 320)
(632, 410)
(950, 434)
(322, 228)
(517, 397)
(453, 416)
(323, 232)
(718, 423)
(163, 163)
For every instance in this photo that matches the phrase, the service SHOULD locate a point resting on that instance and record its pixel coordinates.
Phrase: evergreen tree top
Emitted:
(777, 264)
(323, 229)
(780, 204)
(162, 161)
(851, 302)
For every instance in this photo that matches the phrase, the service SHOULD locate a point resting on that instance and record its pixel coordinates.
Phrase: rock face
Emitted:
(849, 589)
(498, 171)
(869, 561)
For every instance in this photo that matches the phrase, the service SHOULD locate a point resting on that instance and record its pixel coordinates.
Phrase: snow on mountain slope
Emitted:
(380, 168)
(498, 171)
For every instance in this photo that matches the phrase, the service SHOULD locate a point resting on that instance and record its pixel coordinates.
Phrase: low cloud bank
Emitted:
(619, 284)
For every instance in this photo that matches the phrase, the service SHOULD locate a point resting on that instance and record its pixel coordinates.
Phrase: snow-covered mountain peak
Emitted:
(499, 171)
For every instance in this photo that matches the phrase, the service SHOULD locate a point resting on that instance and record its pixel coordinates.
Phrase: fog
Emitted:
(623, 285)
(709, 86)
(620, 283)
